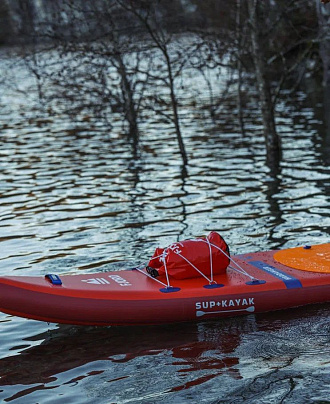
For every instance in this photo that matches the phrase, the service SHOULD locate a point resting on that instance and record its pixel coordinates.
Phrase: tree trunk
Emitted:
(267, 110)
(129, 104)
(239, 40)
(323, 14)
(174, 104)
(7, 26)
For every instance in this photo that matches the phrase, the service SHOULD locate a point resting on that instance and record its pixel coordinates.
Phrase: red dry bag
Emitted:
(191, 258)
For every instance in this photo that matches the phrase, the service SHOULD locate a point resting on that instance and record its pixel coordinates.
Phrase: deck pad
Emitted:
(314, 258)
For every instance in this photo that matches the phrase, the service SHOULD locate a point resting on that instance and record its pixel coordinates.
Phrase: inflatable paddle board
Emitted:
(256, 283)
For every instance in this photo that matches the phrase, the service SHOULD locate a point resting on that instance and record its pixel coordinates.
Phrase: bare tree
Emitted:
(281, 43)
(125, 56)
(81, 51)
(267, 108)
(174, 60)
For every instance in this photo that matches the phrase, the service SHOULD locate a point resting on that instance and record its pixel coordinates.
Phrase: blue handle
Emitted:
(54, 279)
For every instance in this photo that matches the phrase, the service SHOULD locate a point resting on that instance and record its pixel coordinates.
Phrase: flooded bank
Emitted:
(77, 196)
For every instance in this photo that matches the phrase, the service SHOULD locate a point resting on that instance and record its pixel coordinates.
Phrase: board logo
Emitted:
(120, 280)
(96, 281)
(102, 281)
(227, 305)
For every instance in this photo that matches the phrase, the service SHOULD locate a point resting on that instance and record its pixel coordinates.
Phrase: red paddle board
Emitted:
(261, 282)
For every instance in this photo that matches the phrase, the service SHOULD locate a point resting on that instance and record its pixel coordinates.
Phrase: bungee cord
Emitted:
(239, 269)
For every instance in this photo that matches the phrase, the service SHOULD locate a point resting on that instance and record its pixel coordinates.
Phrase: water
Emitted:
(75, 198)
(278, 357)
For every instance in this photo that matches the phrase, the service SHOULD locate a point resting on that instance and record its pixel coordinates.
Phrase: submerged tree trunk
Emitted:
(174, 104)
(267, 109)
(163, 47)
(128, 99)
(323, 14)
(239, 40)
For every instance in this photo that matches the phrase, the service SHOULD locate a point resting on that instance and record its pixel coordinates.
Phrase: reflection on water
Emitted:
(77, 197)
(266, 357)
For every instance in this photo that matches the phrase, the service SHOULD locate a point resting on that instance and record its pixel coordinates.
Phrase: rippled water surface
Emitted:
(76, 197)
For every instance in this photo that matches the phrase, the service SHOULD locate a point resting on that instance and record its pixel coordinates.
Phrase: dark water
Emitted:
(281, 357)
(74, 197)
